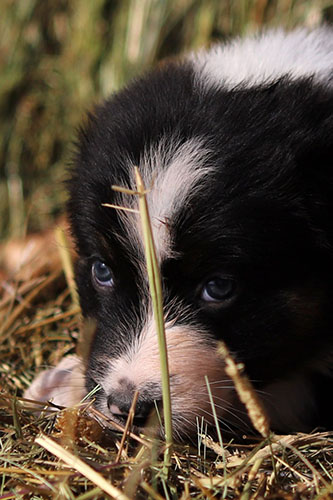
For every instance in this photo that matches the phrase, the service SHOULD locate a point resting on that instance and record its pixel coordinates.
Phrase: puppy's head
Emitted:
(239, 199)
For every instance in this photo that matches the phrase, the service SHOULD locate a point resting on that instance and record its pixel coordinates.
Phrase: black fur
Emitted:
(265, 220)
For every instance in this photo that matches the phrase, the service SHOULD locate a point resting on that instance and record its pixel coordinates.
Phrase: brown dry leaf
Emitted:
(73, 424)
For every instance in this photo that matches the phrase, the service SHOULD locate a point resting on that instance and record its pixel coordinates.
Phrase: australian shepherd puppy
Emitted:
(235, 146)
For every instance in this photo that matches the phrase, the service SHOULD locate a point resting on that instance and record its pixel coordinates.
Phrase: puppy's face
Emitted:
(241, 234)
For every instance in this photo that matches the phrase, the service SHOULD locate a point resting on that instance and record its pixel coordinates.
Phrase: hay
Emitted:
(68, 455)
(51, 74)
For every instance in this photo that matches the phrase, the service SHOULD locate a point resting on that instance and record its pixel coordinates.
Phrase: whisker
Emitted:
(224, 421)
(227, 404)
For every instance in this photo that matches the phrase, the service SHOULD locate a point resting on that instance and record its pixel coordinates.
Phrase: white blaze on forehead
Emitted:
(172, 173)
(262, 59)
(175, 171)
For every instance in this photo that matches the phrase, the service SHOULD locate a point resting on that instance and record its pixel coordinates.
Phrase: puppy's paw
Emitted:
(63, 384)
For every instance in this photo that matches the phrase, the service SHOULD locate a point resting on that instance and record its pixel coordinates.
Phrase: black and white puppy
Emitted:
(235, 144)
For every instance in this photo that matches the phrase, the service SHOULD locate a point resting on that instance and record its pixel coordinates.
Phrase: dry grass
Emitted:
(57, 59)
(70, 455)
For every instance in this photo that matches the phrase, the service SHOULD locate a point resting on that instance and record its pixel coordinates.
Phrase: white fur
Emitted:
(63, 385)
(171, 173)
(262, 59)
(191, 357)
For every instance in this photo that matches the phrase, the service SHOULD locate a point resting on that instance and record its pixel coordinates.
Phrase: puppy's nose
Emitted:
(119, 403)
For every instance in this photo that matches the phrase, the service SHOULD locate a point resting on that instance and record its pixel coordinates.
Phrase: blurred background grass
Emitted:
(60, 57)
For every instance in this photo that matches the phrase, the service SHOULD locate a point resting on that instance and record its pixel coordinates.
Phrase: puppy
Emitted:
(234, 145)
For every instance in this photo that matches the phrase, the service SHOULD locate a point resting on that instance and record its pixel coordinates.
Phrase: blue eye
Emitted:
(218, 289)
(102, 273)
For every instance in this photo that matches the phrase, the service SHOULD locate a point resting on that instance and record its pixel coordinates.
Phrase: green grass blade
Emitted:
(157, 299)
